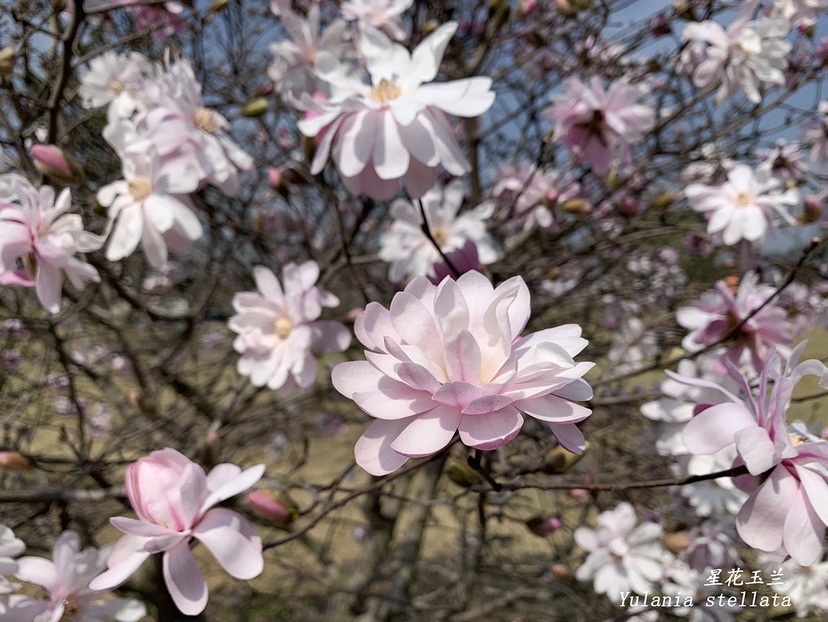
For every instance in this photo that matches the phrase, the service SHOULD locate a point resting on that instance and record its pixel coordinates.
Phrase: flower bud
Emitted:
(576, 206)
(561, 572)
(57, 165)
(7, 59)
(664, 200)
(685, 10)
(14, 462)
(676, 542)
(811, 210)
(463, 475)
(526, 7)
(552, 196)
(542, 527)
(218, 5)
(429, 27)
(559, 460)
(273, 506)
(255, 107)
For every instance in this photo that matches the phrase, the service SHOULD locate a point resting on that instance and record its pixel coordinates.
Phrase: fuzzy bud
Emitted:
(542, 527)
(277, 508)
(218, 5)
(463, 475)
(7, 59)
(255, 107)
(57, 165)
(576, 206)
(559, 460)
(14, 462)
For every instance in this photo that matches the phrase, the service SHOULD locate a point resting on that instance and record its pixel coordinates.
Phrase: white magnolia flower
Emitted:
(807, 586)
(395, 127)
(799, 11)
(743, 207)
(408, 250)
(749, 53)
(380, 14)
(114, 79)
(10, 547)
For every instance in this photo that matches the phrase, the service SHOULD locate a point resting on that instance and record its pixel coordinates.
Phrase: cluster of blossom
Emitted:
(174, 501)
(170, 144)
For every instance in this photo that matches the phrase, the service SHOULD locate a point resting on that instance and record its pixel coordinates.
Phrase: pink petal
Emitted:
(428, 433)
(39, 571)
(569, 436)
(491, 430)
(803, 532)
(715, 428)
(756, 449)
(119, 572)
(760, 521)
(553, 409)
(140, 528)
(373, 450)
(390, 155)
(462, 357)
(220, 531)
(184, 580)
(816, 489)
(243, 481)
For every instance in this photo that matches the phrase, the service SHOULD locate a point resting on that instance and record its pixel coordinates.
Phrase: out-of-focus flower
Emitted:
(543, 526)
(718, 312)
(632, 345)
(66, 578)
(798, 12)
(174, 501)
(624, 556)
(815, 133)
(787, 466)
(785, 161)
(384, 15)
(396, 127)
(711, 547)
(38, 241)
(530, 192)
(462, 260)
(114, 79)
(292, 69)
(681, 582)
(450, 358)
(598, 126)
(10, 547)
(161, 20)
(806, 586)
(143, 207)
(408, 250)
(274, 507)
(743, 57)
(743, 207)
(278, 328)
(14, 462)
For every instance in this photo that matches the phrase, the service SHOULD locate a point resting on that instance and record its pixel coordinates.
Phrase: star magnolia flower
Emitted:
(408, 250)
(450, 358)
(114, 79)
(38, 241)
(744, 56)
(66, 578)
(742, 208)
(807, 586)
(528, 192)
(799, 12)
(383, 15)
(715, 315)
(9, 547)
(788, 467)
(162, 20)
(599, 126)
(622, 557)
(396, 127)
(174, 501)
(278, 328)
(816, 134)
(143, 208)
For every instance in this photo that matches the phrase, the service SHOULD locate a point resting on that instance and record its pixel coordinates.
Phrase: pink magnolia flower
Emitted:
(623, 555)
(174, 501)
(278, 328)
(396, 127)
(787, 466)
(599, 126)
(384, 15)
(408, 250)
(528, 193)
(36, 232)
(743, 207)
(746, 55)
(718, 312)
(161, 20)
(66, 578)
(450, 358)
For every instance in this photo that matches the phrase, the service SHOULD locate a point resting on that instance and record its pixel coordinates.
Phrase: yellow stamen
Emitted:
(205, 119)
(282, 327)
(139, 188)
(385, 91)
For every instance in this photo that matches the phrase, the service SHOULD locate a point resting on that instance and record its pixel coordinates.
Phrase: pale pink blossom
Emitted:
(528, 193)
(744, 207)
(114, 79)
(719, 311)
(815, 134)
(147, 206)
(785, 161)
(292, 68)
(66, 578)
(450, 358)
(161, 20)
(384, 15)
(787, 466)
(806, 586)
(624, 555)
(799, 12)
(10, 547)
(174, 501)
(744, 57)
(278, 328)
(39, 240)
(396, 127)
(408, 250)
(598, 126)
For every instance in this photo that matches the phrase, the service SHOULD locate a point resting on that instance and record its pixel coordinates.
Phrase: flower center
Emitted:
(282, 327)
(385, 91)
(743, 199)
(440, 236)
(797, 439)
(205, 119)
(117, 87)
(71, 610)
(139, 188)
